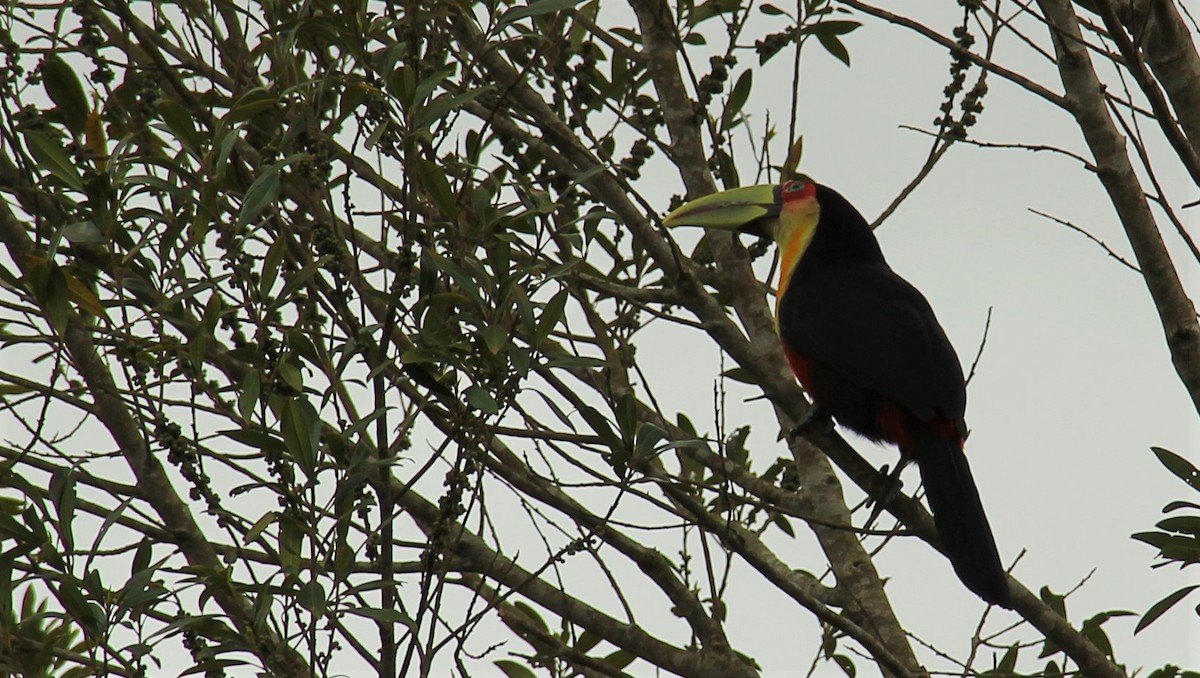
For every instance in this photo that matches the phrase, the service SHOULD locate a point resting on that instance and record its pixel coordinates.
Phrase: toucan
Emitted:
(868, 350)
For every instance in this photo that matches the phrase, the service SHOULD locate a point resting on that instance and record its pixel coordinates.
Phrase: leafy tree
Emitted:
(328, 317)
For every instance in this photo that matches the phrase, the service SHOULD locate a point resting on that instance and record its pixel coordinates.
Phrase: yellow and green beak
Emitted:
(749, 209)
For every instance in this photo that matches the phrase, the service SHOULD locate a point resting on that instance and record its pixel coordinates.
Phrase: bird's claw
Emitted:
(891, 490)
(814, 418)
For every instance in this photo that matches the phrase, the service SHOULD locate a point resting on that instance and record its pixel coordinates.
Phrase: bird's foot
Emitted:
(890, 490)
(814, 419)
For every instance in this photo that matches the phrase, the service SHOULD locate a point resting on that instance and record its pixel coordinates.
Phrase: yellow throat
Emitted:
(797, 224)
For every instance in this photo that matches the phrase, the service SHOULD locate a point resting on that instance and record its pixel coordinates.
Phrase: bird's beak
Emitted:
(749, 209)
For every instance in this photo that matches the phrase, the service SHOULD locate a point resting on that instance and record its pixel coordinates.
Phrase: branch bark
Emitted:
(822, 490)
(1163, 39)
(1085, 99)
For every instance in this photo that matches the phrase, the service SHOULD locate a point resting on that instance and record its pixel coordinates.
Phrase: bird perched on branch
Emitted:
(868, 350)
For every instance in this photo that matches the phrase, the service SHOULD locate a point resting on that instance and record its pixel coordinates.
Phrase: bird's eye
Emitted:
(793, 186)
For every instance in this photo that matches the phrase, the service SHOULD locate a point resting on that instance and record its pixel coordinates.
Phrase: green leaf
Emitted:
(739, 374)
(1179, 466)
(512, 669)
(433, 178)
(1096, 635)
(834, 46)
(291, 543)
(141, 557)
(495, 337)
(560, 270)
(835, 27)
(781, 521)
(272, 264)
(1008, 663)
(64, 89)
(1055, 601)
(572, 362)
(534, 9)
(49, 286)
(354, 95)
(250, 104)
(735, 446)
(181, 123)
(77, 606)
(248, 396)
(845, 664)
(387, 616)
(311, 597)
(466, 283)
(51, 157)
(83, 232)
(1158, 609)
(481, 399)
(726, 168)
(587, 640)
(62, 493)
(289, 371)
(620, 659)
(647, 438)
(627, 419)
(533, 616)
(83, 296)
(261, 193)
(441, 106)
(600, 425)
(1166, 542)
(552, 315)
(301, 433)
(257, 439)
(737, 98)
(259, 526)
(140, 590)
(295, 281)
(1183, 524)
(418, 355)
(426, 87)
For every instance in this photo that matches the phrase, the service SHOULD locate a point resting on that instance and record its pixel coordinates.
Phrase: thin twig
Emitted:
(1063, 222)
(987, 325)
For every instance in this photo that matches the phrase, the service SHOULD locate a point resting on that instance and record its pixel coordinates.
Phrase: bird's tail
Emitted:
(960, 519)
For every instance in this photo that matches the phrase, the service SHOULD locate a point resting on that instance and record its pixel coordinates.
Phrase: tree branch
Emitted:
(1085, 100)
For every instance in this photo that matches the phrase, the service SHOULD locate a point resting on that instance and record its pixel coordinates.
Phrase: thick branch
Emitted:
(1166, 45)
(506, 572)
(1085, 100)
(1158, 103)
(823, 492)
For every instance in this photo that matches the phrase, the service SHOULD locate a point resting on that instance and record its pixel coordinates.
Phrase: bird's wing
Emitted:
(874, 328)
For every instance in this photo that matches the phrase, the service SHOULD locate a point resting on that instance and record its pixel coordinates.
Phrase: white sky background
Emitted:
(1075, 383)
